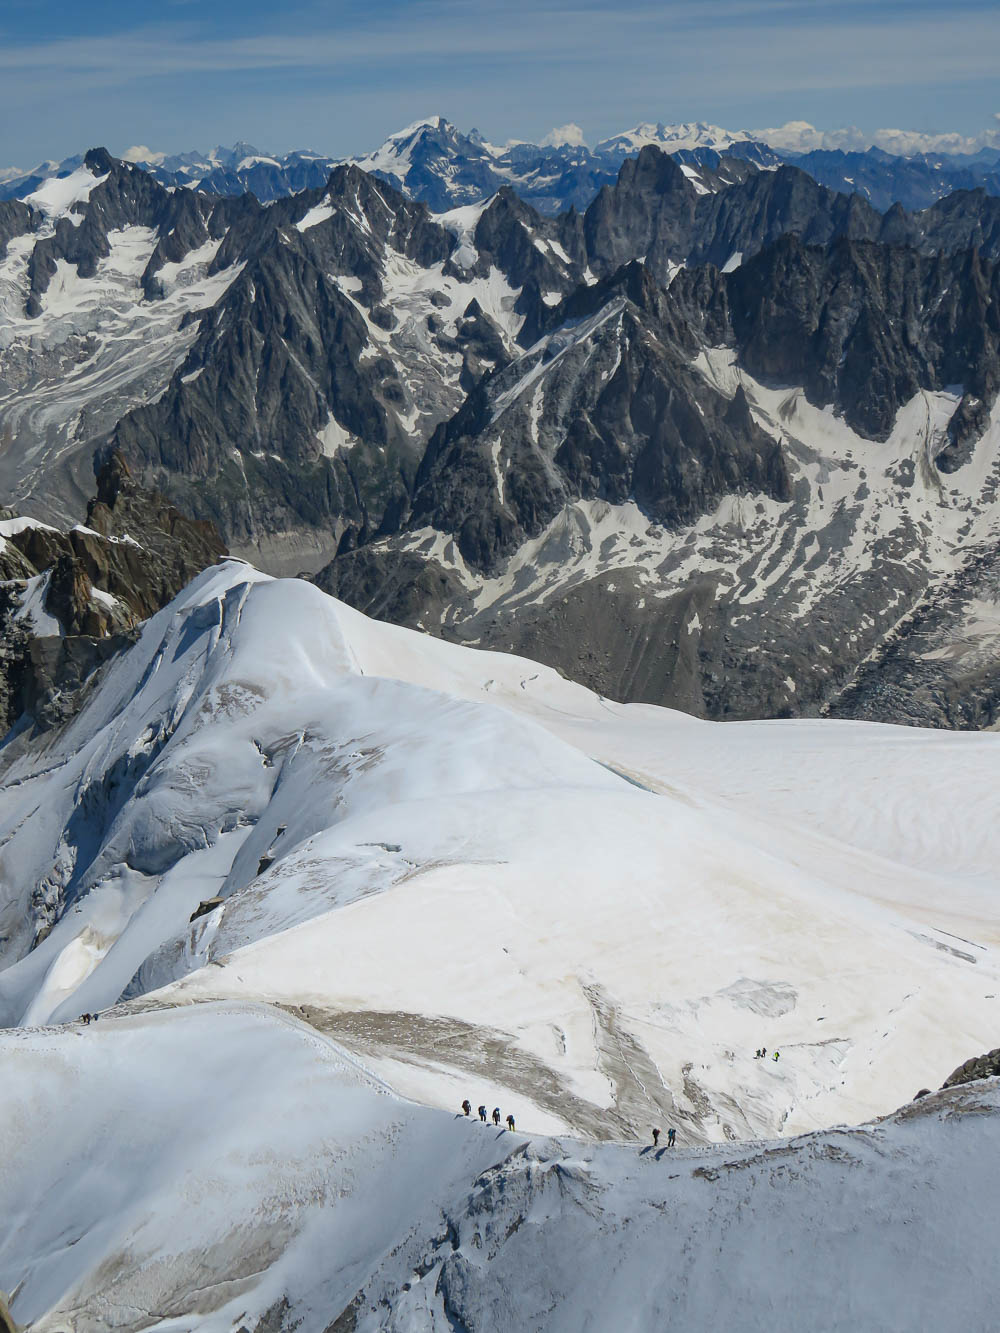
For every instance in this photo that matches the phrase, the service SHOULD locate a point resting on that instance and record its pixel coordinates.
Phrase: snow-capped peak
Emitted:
(58, 195)
(393, 156)
(673, 138)
(427, 123)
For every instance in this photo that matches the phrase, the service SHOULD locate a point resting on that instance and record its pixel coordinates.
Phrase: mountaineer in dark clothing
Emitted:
(496, 1115)
(467, 1106)
(671, 1137)
(656, 1137)
(482, 1114)
(510, 1123)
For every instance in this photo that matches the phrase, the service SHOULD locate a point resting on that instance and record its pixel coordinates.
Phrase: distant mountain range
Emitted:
(726, 439)
(433, 161)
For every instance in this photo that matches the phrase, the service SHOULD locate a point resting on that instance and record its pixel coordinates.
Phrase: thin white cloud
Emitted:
(798, 136)
(571, 135)
(504, 67)
(733, 38)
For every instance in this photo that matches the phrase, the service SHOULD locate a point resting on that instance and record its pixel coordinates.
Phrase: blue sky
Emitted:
(338, 76)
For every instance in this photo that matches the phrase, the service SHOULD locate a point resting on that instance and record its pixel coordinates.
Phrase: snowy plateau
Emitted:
(323, 878)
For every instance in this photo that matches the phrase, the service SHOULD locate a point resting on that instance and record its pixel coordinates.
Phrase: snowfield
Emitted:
(221, 1168)
(459, 864)
(447, 873)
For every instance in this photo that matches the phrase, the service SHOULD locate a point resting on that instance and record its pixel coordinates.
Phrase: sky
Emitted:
(339, 76)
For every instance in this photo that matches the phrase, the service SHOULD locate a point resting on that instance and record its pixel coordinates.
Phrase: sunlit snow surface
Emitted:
(431, 851)
(451, 873)
(224, 1167)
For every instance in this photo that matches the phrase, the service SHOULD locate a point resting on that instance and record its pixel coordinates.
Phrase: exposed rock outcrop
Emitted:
(70, 600)
(980, 1066)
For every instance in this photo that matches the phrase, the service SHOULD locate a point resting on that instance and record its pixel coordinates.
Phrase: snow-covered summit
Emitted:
(59, 195)
(673, 138)
(447, 167)
(433, 852)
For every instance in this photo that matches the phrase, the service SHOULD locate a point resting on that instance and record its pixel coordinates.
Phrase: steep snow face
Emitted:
(58, 195)
(210, 1191)
(395, 156)
(463, 866)
(215, 1198)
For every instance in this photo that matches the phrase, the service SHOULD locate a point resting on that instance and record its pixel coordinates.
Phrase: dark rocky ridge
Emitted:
(861, 324)
(647, 430)
(980, 1066)
(654, 211)
(235, 437)
(858, 324)
(136, 549)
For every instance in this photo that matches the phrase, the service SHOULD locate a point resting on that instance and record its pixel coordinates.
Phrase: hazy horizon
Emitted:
(339, 78)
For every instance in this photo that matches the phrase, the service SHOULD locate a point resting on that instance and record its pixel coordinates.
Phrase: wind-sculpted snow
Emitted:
(224, 1168)
(473, 873)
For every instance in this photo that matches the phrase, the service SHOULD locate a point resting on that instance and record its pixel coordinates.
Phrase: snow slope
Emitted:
(177, 1190)
(462, 866)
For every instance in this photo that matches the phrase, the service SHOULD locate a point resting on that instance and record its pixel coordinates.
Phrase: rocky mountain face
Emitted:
(635, 501)
(710, 442)
(980, 1066)
(629, 419)
(70, 600)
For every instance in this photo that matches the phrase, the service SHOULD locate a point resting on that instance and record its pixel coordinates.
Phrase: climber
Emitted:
(482, 1114)
(467, 1106)
(656, 1136)
(774, 1057)
(671, 1136)
(496, 1115)
(510, 1123)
